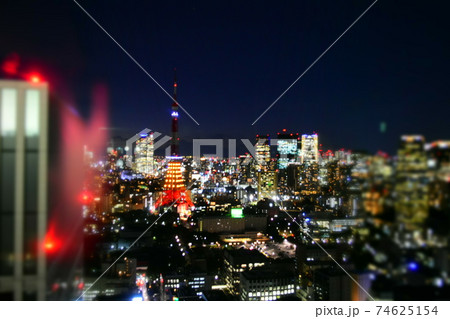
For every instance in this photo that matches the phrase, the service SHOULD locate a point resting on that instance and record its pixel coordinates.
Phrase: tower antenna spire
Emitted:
(174, 147)
(175, 86)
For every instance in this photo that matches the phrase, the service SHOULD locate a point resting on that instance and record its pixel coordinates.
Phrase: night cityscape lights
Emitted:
(241, 228)
(122, 179)
(258, 228)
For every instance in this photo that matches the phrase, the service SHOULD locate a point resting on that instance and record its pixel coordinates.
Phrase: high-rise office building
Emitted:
(309, 179)
(267, 184)
(238, 261)
(262, 149)
(309, 158)
(438, 154)
(411, 155)
(310, 149)
(265, 172)
(411, 203)
(268, 283)
(23, 188)
(287, 148)
(144, 152)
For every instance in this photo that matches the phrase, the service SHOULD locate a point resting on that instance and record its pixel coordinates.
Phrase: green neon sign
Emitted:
(237, 213)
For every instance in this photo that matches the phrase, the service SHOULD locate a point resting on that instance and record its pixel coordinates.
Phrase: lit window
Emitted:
(32, 112)
(8, 112)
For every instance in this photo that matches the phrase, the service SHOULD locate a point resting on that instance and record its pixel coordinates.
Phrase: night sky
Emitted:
(234, 58)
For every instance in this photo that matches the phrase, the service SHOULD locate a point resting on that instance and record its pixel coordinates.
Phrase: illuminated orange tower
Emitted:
(175, 192)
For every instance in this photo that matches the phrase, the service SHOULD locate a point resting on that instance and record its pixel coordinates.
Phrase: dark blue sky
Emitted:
(234, 58)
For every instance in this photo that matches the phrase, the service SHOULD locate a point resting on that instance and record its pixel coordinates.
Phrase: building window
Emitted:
(8, 112)
(31, 113)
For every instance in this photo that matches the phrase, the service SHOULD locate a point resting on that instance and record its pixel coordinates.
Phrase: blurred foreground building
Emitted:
(23, 188)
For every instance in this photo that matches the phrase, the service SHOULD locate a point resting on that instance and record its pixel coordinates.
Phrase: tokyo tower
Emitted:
(174, 190)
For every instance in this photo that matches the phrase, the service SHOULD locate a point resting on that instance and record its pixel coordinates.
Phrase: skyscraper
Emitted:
(309, 157)
(23, 188)
(144, 154)
(262, 149)
(310, 149)
(411, 203)
(287, 148)
(267, 184)
(439, 155)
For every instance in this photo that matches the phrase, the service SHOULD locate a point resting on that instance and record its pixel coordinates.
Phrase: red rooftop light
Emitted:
(34, 78)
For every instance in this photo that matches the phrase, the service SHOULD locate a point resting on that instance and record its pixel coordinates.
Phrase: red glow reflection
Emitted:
(69, 176)
(85, 198)
(51, 243)
(11, 64)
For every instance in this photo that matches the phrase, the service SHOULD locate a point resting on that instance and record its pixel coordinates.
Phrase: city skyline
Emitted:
(173, 151)
(362, 90)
